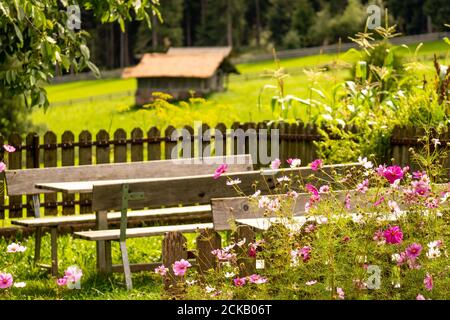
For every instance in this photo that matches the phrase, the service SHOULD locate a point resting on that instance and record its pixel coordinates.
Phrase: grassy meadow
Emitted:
(239, 102)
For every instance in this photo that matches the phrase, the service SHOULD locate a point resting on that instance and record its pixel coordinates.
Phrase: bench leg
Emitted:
(102, 251)
(126, 265)
(37, 245)
(54, 243)
(108, 257)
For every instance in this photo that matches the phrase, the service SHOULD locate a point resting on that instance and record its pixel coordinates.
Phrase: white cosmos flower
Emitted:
(233, 182)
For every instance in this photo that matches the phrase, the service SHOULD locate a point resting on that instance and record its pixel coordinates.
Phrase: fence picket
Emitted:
(137, 146)
(120, 146)
(50, 160)
(154, 144)
(85, 158)
(68, 159)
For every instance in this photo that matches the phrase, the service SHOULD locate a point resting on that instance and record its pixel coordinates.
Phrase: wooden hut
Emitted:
(180, 71)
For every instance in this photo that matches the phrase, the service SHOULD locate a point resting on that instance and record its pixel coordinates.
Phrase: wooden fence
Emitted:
(33, 151)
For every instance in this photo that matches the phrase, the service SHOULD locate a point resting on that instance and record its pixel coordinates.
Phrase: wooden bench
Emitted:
(23, 182)
(189, 190)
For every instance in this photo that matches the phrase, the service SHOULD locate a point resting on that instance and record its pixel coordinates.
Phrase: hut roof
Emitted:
(192, 62)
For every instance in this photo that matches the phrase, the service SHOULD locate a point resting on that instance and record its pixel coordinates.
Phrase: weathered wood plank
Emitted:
(161, 214)
(200, 189)
(114, 234)
(23, 181)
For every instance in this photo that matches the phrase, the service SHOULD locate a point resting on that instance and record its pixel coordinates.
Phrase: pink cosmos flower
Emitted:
(311, 282)
(2, 166)
(61, 281)
(418, 175)
(239, 282)
(378, 236)
(257, 279)
(73, 274)
(223, 255)
(347, 201)
(316, 164)
(420, 297)
(394, 207)
(310, 228)
(432, 203)
(391, 173)
(294, 163)
(378, 202)
(6, 280)
(428, 282)
(180, 267)
(413, 251)
(275, 164)
(393, 235)
(220, 170)
(324, 189)
(311, 189)
(9, 148)
(252, 251)
(15, 247)
(292, 194)
(421, 187)
(161, 270)
(363, 186)
(340, 292)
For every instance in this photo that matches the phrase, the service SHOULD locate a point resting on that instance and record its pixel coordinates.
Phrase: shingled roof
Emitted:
(192, 62)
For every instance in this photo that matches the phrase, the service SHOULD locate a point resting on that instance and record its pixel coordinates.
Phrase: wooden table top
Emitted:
(84, 186)
(263, 224)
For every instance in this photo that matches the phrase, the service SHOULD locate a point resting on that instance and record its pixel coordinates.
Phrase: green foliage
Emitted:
(34, 38)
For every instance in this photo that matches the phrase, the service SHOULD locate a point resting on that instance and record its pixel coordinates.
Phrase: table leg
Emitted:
(37, 245)
(102, 248)
(54, 243)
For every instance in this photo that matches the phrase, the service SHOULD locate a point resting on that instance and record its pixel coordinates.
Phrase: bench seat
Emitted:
(151, 214)
(114, 234)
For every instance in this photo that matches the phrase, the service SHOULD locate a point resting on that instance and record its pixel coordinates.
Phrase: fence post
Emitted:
(247, 264)
(207, 241)
(173, 249)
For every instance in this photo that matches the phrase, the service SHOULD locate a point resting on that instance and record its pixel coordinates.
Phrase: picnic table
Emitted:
(101, 217)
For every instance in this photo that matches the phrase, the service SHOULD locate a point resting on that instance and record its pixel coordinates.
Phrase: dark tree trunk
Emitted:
(154, 33)
(258, 24)
(229, 24)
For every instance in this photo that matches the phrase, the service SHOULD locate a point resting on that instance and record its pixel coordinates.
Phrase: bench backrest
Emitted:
(21, 182)
(197, 189)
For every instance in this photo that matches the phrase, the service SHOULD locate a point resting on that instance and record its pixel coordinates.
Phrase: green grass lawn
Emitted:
(40, 285)
(238, 103)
